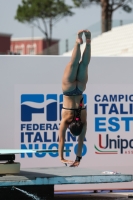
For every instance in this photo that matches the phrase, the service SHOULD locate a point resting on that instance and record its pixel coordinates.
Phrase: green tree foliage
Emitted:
(107, 7)
(46, 11)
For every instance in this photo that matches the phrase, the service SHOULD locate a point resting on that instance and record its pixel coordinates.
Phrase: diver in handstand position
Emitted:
(74, 81)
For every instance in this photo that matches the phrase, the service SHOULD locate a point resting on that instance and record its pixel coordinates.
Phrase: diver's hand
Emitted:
(75, 164)
(67, 162)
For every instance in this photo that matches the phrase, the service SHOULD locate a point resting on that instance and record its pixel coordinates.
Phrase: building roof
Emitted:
(30, 38)
(117, 42)
(5, 34)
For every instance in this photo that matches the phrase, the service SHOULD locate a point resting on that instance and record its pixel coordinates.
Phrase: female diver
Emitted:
(74, 82)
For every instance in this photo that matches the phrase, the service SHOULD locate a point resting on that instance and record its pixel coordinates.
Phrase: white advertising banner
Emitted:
(110, 124)
(37, 120)
(109, 130)
(31, 102)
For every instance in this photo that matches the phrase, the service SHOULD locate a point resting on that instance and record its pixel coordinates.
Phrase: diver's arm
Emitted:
(62, 133)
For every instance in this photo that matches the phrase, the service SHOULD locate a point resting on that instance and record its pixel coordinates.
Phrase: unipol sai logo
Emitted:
(113, 123)
(39, 124)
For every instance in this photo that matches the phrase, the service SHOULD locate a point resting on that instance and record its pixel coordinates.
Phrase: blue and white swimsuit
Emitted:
(74, 92)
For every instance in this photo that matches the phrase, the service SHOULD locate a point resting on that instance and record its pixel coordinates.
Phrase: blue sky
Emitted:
(65, 28)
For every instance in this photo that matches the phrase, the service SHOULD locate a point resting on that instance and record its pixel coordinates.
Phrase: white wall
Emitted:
(42, 75)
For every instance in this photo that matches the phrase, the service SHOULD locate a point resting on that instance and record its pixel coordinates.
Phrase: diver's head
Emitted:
(76, 127)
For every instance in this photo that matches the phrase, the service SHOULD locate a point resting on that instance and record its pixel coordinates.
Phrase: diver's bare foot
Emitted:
(79, 39)
(88, 36)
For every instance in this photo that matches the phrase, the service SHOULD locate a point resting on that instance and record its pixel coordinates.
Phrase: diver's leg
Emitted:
(70, 73)
(82, 75)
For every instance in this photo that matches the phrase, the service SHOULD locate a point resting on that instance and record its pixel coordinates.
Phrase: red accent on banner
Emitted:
(100, 142)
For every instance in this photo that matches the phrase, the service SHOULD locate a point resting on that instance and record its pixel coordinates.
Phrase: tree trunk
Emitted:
(50, 30)
(106, 16)
(47, 43)
(48, 40)
(110, 12)
(47, 51)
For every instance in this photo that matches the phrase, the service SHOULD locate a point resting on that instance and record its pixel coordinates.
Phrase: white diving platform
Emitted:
(61, 175)
(41, 181)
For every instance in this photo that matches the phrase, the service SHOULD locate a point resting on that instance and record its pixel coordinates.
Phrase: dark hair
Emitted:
(76, 125)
